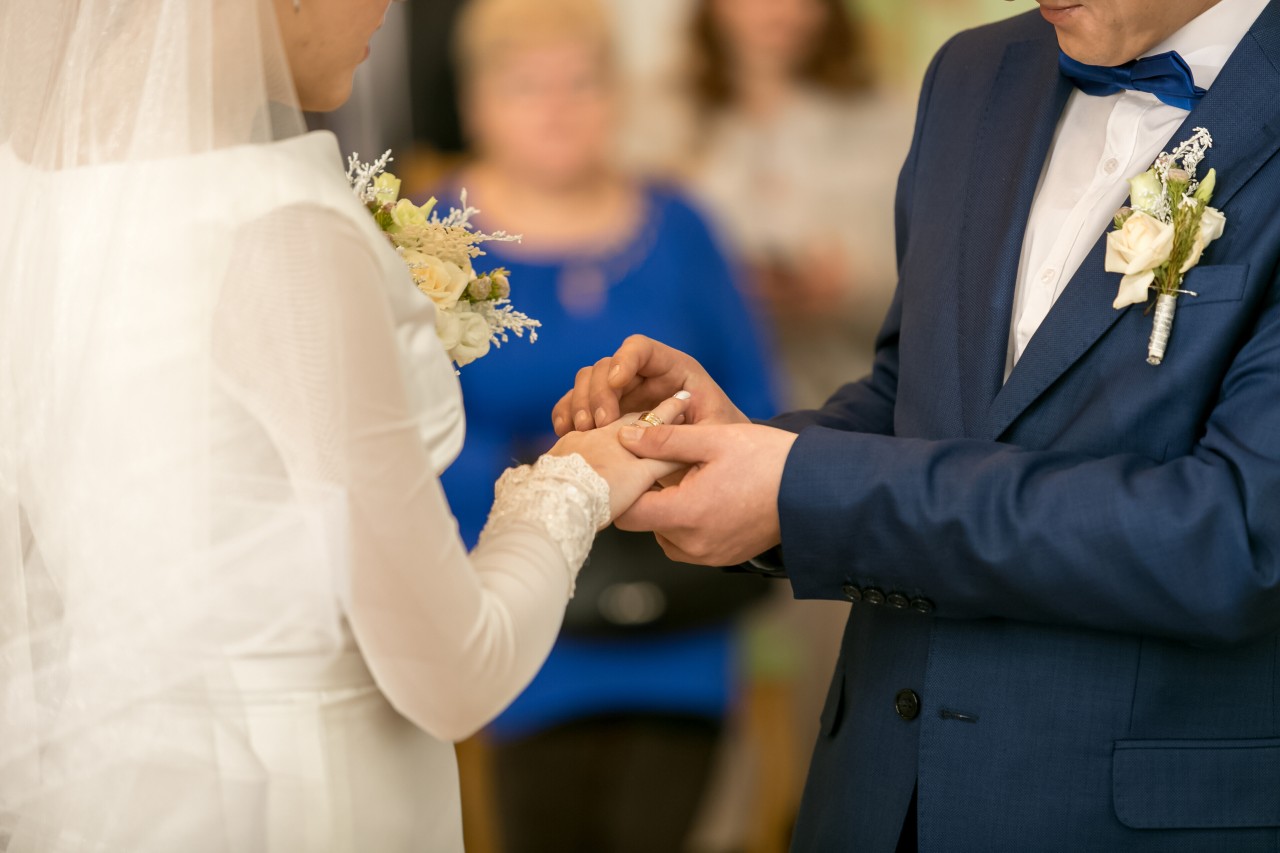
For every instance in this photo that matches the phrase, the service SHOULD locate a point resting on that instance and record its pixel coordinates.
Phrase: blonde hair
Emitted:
(490, 29)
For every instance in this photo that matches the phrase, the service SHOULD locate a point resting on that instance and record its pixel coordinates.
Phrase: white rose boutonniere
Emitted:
(1163, 234)
(473, 310)
(1212, 225)
(1136, 249)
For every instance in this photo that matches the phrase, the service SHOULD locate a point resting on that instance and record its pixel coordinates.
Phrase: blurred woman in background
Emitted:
(796, 152)
(611, 746)
(786, 138)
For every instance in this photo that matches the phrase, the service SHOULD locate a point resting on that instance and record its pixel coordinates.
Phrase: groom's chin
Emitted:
(1081, 48)
(1084, 38)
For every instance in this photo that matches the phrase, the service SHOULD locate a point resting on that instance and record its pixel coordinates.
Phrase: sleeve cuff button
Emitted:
(922, 606)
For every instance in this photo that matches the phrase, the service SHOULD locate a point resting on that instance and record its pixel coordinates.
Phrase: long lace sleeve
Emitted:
(306, 344)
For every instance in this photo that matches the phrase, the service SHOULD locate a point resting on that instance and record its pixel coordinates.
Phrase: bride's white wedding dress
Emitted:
(236, 611)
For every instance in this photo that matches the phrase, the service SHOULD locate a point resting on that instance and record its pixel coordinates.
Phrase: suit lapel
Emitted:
(1243, 114)
(1013, 139)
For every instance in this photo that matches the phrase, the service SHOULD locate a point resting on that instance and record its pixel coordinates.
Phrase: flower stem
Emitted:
(1162, 327)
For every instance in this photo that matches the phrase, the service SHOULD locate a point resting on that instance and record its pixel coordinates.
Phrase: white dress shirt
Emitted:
(1100, 143)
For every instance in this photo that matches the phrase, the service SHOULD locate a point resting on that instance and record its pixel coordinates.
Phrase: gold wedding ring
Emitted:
(651, 419)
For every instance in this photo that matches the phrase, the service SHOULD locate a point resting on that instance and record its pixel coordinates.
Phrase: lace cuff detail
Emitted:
(563, 495)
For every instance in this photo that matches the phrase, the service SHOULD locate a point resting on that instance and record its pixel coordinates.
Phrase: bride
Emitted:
(235, 613)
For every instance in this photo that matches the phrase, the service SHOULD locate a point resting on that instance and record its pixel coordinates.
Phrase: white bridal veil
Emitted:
(127, 546)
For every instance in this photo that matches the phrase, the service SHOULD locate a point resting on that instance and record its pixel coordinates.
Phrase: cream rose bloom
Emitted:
(406, 214)
(464, 334)
(443, 281)
(1212, 224)
(1136, 250)
(387, 186)
(1146, 193)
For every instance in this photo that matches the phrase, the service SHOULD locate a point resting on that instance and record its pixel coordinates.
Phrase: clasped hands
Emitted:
(705, 482)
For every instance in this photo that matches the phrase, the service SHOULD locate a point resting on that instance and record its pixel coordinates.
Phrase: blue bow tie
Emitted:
(1167, 76)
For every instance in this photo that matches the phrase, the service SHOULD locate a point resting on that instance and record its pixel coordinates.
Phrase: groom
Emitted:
(1063, 563)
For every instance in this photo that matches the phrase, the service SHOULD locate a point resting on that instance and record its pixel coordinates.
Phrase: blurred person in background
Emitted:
(797, 152)
(782, 132)
(611, 747)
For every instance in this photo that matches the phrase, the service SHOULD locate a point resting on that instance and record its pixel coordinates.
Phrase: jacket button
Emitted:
(922, 605)
(897, 601)
(907, 704)
(851, 592)
(871, 595)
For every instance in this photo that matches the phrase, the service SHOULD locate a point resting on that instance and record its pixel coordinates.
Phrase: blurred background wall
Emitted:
(908, 32)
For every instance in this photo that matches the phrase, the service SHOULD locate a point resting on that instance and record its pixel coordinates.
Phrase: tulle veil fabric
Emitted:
(127, 544)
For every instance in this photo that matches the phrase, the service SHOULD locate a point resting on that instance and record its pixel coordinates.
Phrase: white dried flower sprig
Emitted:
(504, 320)
(473, 310)
(1189, 153)
(361, 176)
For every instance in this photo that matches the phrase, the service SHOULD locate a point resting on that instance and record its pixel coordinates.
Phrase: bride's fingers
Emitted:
(664, 471)
(670, 411)
(674, 479)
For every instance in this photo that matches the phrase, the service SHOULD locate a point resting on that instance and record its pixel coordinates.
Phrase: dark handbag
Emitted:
(628, 587)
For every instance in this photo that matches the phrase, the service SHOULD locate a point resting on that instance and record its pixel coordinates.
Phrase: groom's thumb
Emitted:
(687, 444)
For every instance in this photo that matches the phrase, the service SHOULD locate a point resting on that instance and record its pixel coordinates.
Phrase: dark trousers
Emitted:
(624, 784)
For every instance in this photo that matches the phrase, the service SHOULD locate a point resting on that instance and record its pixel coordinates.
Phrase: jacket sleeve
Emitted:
(1188, 548)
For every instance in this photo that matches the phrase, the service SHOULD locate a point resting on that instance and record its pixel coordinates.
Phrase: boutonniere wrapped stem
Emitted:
(473, 309)
(1163, 233)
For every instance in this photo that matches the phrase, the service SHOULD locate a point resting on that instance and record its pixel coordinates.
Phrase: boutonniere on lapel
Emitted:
(1162, 233)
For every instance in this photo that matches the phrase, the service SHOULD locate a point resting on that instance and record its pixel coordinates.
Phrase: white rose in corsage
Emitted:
(386, 187)
(473, 311)
(405, 215)
(1163, 234)
(464, 335)
(443, 281)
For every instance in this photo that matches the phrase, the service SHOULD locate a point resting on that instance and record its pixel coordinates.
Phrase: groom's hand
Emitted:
(725, 510)
(639, 376)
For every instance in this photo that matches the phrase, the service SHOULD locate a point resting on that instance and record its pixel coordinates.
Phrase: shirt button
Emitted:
(1111, 165)
(851, 592)
(907, 704)
(1047, 275)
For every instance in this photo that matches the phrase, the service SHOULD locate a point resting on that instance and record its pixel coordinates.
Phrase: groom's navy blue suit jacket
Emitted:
(1099, 539)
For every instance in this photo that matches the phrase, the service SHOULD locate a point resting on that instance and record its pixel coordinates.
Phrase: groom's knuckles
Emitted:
(674, 551)
(580, 400)
(562, 415)
(602, 399)
(636, 352)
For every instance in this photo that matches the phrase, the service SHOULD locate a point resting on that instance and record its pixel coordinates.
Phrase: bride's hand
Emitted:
(628, 476)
